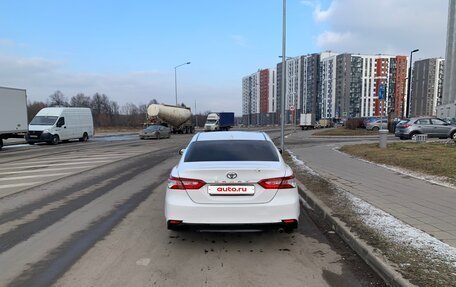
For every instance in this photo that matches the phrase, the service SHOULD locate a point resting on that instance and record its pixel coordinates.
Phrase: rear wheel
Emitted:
(413, 135)
(375, 129)
(453, 136)
(1, 143)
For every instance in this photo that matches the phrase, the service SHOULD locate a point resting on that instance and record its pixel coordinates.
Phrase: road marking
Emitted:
(57, 160)
(19, 184)
(33, 176)
(55, 164)
(41, 170)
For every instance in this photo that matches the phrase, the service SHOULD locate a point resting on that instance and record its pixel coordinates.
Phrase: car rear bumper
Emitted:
(233, 227)
(284, 206)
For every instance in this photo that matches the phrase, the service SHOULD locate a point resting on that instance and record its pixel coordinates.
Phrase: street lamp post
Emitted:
(284, 59)
(175, 78)
(409, 96)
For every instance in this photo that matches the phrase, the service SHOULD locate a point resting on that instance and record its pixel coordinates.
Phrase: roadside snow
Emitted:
(400, 232)
(439, 180)
(391, 227)
(301, 164)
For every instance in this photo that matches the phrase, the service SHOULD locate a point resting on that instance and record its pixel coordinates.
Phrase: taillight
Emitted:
(278, 182)
(184, 183)
(406, 125)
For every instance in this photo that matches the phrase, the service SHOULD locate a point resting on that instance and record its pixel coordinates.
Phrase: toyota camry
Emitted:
(231, 181)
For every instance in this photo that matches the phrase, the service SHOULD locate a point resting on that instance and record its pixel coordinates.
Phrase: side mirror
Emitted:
(181, 152)
(280, 150)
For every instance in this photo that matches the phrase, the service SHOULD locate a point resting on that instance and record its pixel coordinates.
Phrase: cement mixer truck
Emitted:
(178, 119)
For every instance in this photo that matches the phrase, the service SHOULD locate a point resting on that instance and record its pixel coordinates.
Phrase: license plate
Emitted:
(231, 189)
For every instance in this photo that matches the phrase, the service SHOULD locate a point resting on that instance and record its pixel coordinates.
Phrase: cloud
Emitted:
(328, 39)
(239, 40)
(373, 27)
(41, 77)
(309, 3)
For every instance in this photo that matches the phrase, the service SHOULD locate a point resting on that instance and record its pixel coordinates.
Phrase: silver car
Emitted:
(380, 124)
(433, 127)
(155, 132)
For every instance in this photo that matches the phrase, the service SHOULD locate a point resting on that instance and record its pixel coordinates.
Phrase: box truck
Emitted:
(53, 125)
(219, 121)
(13, 113)
(307, 121)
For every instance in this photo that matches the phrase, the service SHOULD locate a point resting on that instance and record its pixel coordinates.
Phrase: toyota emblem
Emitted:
(231, 175)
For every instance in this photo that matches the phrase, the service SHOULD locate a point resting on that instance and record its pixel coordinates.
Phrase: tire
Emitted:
(31, 143)
(412, 135)
(453, 136)
(55, 139)
(85, 137)
(1, 144)
(375, 129)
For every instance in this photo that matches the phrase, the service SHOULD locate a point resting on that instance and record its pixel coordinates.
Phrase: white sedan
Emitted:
(231, 181)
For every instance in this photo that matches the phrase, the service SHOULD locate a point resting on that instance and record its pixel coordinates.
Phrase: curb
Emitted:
(366, 252)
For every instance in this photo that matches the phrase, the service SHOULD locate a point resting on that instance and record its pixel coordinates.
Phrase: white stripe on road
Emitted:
(47, 169)
(33, 176)
(19, 184)
(55, 164)
(56, 160)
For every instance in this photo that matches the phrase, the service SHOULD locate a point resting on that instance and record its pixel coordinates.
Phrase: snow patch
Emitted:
(301, 164)
(400, 232)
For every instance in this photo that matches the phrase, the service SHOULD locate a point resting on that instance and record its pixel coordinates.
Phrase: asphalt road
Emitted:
(91, 214)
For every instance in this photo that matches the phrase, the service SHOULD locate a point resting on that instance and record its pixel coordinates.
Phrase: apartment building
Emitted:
(259, 98)
(427, 84)
(447, 109)
(350, 85)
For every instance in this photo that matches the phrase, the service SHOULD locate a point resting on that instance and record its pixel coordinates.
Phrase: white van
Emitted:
(53, 125)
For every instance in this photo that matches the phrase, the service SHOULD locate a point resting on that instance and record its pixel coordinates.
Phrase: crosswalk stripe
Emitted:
(3, 186)
(33, 176)
(41, 170)
(54, 164)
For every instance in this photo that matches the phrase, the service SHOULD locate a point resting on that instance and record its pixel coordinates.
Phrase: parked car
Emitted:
(376, 125)
(433, 127)
(231, 181)
(155, 132)
(368, 120)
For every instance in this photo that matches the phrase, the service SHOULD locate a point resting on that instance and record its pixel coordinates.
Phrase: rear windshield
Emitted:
(231, 150)
(44, 120)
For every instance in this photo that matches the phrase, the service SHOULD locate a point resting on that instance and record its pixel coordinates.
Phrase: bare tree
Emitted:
(80, 100)
(58, 99)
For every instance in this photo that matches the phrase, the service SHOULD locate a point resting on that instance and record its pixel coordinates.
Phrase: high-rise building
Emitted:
(448, 107)
(259, 98)
(310, 79)
(352, 91)
(327, 89)
(301, 86)
(427, 80)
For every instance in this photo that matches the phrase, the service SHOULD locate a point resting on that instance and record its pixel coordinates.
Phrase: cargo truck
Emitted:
(13, 113)
(307, 121)
(178, 119)
(219, 121)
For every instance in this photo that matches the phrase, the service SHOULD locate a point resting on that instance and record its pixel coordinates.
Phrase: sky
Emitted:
(128, 49)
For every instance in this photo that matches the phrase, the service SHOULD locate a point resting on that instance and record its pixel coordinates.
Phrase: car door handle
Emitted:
(64, 127)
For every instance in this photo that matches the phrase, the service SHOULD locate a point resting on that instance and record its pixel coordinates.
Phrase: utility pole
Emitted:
(284, 61)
